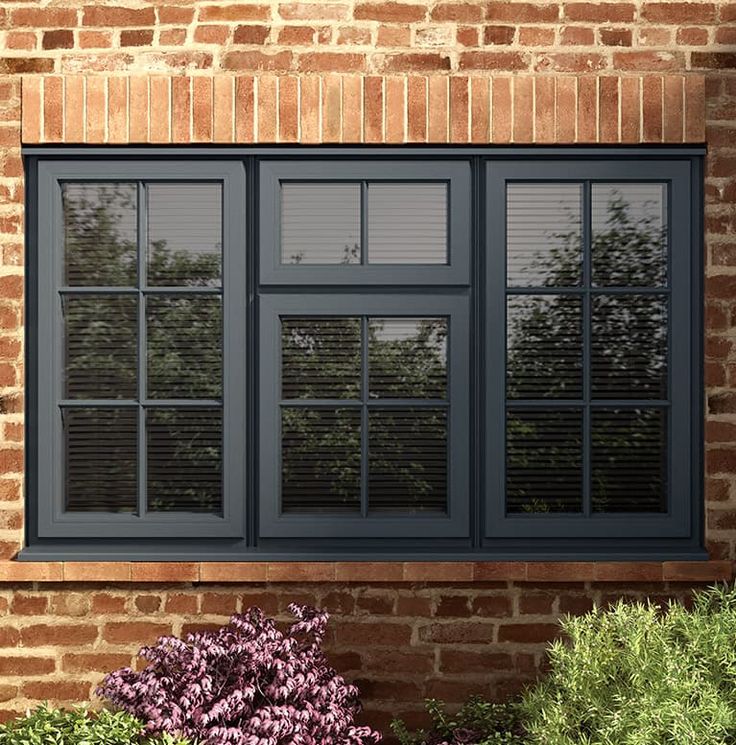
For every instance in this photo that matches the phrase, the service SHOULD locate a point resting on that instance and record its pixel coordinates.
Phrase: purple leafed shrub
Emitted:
(246, 684)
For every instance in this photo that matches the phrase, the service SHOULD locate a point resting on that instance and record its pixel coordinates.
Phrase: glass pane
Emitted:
(184, 234)
(544, 347)
(407, 357)
(629, 460)
(320, 223)
(100, 449)
(544, 461)
(544, 234)
(629, 225)
(407, 224)
(184, 347)
(320, 357)
(320, 460)
(100, 233)
(100, 347)
(184, 460)
(407, 460)
(629, 347)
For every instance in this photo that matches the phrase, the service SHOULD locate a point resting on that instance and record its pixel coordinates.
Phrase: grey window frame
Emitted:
(512, 540)
(52, 520)
(455, 524)
(676, 522)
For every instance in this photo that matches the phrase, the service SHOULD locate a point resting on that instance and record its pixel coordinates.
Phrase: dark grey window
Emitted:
(400, 354)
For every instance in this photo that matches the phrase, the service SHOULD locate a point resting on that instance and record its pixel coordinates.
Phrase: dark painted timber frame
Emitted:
(249, 531)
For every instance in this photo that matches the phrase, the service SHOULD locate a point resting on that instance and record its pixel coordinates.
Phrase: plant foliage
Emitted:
(635, 675)
(247, 683)
(49, 726)
(478, 722)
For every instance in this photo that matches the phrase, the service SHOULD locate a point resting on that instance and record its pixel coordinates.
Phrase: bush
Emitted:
(635, 675)
(47, 726)
(245, 683)
(477, 723)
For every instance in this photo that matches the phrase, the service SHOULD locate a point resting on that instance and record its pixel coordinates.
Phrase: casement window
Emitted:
(397, 353)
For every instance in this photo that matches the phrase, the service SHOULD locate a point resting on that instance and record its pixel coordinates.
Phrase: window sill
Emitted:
(366, 571)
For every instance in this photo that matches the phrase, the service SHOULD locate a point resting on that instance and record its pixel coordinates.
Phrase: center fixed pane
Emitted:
(320, 358)
(407, 357)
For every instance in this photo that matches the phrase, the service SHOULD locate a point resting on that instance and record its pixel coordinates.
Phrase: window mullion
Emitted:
(364, 416)
(587, 331)
(142, 351)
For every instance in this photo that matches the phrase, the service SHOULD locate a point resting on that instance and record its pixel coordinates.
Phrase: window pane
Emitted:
(184, 234)
(100, 347)
(629, 224)
(629, 347)
(629, 460)
(100, 448)
(320, 460)
(544, 461)
(544, 234)
(100, 233)
(320, 357)
(184, 460)
(184, 347)
(544, 347)
(407, 224)
(407, 357)
(407, 460)
(320, 223)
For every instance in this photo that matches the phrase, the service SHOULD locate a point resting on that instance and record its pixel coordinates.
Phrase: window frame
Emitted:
(479, 545)
(46, 265)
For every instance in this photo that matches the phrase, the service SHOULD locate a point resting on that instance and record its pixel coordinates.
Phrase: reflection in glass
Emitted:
(544, 460)
(407, 357)
(629, 242)
(184, 460)
(629, 347)
(544, 346)
(100, 233)
(320, 357)
(184, 342)
(407, 223)
(544, 234)
(407, 460)
(184, 234)
(629, 460)
(320, 223)
(100, 346)
(320, 460)
(100, 452)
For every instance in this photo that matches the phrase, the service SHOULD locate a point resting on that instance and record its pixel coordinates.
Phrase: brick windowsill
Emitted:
(339, 571)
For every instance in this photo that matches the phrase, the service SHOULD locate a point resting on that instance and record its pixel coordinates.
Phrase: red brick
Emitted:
(457, 11)
(330, 62)
(136, 38)
(679, 12)
(68, 635)
(528, 633)
(57, 690)
(314, 11)
(22, 65)
(463, 662)
(251, 34)
(521, 13)
(600, 12)
(87, 662)
(496, 606)
(219, 604)
(251, 61)
(390, 12)
(107, 15)
(235, 12)
(135, 632)
(61, 39)
(457, 632)
(415, 61)
(49, 17)
(615, 37)
(498, 34)
(373, 634)
(26, 666)
(577, 36)
(493, 61)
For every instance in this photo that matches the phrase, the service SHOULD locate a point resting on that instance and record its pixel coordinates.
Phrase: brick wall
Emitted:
(441, 71)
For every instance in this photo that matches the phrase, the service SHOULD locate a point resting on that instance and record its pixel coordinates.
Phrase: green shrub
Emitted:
(637, 675)
(477, 723)
(49, 726)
